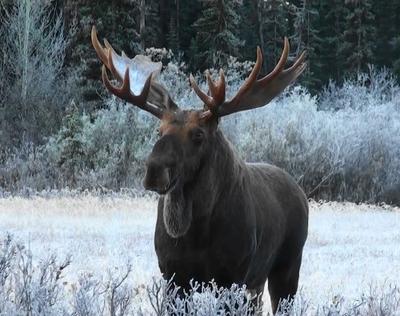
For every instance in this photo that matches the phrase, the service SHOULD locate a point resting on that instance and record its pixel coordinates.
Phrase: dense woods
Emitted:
(59, 127)
(341, 36)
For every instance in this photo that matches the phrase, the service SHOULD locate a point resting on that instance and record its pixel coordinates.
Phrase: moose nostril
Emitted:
(156, 177)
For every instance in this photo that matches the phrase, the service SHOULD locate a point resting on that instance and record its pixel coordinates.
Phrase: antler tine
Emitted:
(125, 92)
(203, 96)
(217, 89)
(299, 62)
(135, 74)
(100, 50)
(281, 63)
(105, 54)
(248, 84)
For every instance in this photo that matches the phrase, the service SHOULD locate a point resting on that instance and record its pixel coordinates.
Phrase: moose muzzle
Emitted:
(157, 178)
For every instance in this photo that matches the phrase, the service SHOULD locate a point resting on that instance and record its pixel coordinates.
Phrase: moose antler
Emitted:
(137, 77)
(253, 93)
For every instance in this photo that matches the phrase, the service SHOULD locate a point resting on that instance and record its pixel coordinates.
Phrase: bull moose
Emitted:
(218, 217)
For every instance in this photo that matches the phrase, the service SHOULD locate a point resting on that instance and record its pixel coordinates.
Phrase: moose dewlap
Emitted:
(218, 217)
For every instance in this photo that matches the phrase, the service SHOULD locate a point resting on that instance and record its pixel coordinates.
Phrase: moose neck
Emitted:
(219, 173)
(221, 170)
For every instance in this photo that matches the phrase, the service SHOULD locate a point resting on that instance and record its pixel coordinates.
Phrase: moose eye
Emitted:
(197, 136)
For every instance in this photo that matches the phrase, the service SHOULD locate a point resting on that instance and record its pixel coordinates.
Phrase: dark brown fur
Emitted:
(224, 219)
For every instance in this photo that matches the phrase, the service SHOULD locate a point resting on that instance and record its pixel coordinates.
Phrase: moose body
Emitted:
(218, 217)
(249, 225)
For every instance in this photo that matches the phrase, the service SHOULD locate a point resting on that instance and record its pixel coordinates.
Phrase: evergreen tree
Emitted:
(387, 17)
(358, 38)
(71, 157)
(273, 18)
(330, 27)
(216, 31)
(152, 34)
(115, 20)
(249, 28)
(306, 37)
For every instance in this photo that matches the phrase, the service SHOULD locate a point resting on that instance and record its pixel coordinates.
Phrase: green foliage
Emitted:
(216, 37)
(69, 141)
(330, 27)
(307, 38)
(358, 38)
(273, 20)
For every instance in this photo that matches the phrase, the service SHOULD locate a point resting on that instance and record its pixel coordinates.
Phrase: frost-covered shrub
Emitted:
(201, 299)
(29, 288)
(343, 152)
(36, 286)
(106, 151)
(363, 91)
(341, 145)
(112, 147)
(112, 296)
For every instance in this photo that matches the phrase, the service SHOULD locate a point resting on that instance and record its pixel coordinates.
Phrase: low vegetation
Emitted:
(38, 288)
(341, 145)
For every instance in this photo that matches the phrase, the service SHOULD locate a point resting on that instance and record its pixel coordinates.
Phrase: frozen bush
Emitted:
(201, 299)
(113, 296)
(34, 286)
(341, 145)
(336, 153)
(28, 288)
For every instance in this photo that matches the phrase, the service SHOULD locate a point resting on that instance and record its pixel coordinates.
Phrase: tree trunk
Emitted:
(260, 28)
(142, 23)
(25, 57)
(177, 23)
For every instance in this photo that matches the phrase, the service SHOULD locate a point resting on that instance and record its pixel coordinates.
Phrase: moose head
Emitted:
(186, 136)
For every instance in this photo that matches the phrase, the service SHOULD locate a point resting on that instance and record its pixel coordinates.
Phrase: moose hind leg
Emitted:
(282, 283)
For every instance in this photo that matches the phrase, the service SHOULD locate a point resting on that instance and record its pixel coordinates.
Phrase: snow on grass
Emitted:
(100, 233)
(349, 249)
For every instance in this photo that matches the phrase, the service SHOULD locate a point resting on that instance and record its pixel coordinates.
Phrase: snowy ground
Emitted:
(350, 247)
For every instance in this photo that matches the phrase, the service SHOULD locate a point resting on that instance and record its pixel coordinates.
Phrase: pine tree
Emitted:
(116, 20)
(273, 18)
(249, 28)
(331, 26)
(358, 39)
(189, 12)
(306, 37)
(152, 34)
(387, 17)
(216, 32)
(71, 158)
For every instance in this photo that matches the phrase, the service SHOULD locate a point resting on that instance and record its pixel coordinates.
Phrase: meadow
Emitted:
(350, 266)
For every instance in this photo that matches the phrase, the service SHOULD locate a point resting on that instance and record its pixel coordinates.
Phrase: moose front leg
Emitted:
(181, 272)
